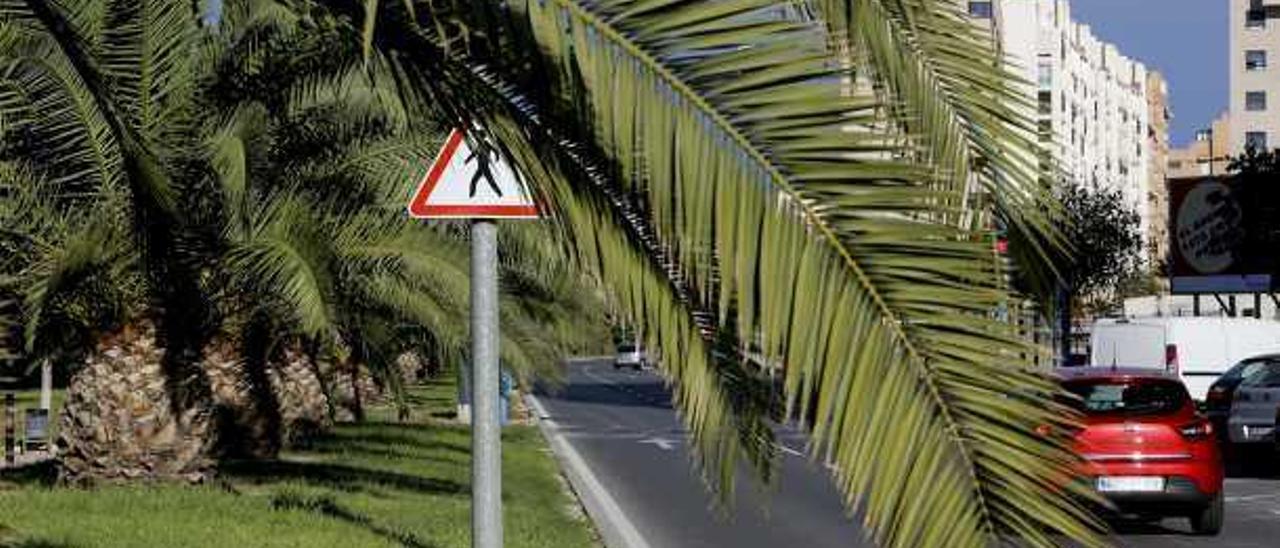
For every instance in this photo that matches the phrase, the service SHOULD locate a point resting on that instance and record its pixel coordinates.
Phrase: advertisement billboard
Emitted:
(1220, 238)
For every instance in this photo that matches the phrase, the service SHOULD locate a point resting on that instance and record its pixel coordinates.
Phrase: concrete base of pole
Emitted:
(464, 413)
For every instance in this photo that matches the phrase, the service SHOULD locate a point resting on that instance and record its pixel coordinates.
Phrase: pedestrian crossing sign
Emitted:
(465, 184)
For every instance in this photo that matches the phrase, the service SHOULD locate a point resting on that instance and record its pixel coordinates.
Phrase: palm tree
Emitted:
(807, 184)
(311, 161)
(283, 231)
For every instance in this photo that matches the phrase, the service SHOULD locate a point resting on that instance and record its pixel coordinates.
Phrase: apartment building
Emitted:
(1092, 102)
(1255, 75)
(1157, 192)
(1193, 159)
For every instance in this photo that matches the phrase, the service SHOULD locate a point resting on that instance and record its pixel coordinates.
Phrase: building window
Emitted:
(1254, 18)
(980, 10)
(1046, 74)
(1045, 99)
(1255, 100)
(1255, 59)
(1256, 140)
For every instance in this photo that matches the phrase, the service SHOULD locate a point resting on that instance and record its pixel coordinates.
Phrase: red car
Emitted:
(1145, 446)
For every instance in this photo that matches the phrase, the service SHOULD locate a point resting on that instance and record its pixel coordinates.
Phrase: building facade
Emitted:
(1157, 192)
(1092, 110)
(1255, 75)
(1193, 159)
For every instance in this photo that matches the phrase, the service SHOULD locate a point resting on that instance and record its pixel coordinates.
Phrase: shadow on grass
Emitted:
(341, 477)
(387, 453)
(10, 538)
(41, 473)
(326, 506)
(35, 543)
(385, 433)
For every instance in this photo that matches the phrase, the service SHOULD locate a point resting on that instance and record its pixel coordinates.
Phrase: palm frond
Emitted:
(50, 120)
(969, 109)
(146, 49)
(791, 202)
(284, 261)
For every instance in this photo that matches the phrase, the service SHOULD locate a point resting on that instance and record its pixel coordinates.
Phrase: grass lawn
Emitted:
(379, 483)
(30, 399)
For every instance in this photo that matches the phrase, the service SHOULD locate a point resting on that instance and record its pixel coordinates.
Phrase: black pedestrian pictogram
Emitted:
(483, 161)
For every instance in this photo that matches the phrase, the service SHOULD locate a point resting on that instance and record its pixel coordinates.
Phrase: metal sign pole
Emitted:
(486, 443)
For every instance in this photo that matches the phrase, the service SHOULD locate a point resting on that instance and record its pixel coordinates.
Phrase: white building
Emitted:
(1255, 78)
(1092, 101)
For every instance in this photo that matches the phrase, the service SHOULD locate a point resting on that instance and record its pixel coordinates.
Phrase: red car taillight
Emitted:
(1197, 430)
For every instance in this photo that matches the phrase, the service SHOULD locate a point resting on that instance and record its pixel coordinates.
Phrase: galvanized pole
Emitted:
(486, 443)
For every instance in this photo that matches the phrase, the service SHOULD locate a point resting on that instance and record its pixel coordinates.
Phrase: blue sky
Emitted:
(1186, 40)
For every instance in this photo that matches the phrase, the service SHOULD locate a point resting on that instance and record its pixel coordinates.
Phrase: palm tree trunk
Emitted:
(357, 406)
(119, 421)
(313, 361)
(263, 436)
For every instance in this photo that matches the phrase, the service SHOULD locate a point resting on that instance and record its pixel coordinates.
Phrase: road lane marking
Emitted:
(662, 443)
(789, 451)
(615, 527)
(1248, 498)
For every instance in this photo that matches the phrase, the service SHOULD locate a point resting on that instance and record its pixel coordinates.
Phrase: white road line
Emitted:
(789, 451)
(615, 527)
(1247, 498)
(589, 359)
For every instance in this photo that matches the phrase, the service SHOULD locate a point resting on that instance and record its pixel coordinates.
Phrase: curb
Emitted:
(616, 530)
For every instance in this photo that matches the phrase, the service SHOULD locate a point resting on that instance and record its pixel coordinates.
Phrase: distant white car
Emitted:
(1256, 405)
(630, 355)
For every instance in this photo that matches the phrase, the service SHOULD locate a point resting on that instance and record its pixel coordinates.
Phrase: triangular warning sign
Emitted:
(463, 185)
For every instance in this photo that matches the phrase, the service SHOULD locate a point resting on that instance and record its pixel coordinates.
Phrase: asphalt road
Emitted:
(1252, 512)
(623, 426)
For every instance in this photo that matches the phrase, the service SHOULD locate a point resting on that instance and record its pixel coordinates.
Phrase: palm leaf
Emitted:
(284, 260)
(51, 121)
(971, 112)
(828, 242)
(888, 349)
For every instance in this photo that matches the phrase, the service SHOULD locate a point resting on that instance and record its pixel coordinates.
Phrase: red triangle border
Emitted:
(419, 208)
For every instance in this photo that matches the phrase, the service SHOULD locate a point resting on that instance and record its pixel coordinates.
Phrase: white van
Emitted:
(1198, 349)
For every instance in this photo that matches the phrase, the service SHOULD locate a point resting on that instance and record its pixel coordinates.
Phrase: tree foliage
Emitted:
(1105, 237)
(1254, 175)
(270, 165)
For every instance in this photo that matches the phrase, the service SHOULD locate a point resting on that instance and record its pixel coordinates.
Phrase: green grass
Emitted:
(374, 484)
(30, 399)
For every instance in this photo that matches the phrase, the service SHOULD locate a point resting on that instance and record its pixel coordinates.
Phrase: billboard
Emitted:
(1221, 237)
